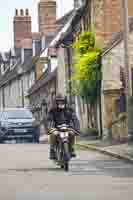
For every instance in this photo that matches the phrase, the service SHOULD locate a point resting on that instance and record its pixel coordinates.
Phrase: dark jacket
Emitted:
(59, 116)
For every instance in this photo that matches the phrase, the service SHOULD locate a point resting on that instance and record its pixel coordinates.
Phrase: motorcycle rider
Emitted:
(61, 113)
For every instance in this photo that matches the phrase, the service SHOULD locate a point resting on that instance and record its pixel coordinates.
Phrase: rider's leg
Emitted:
(52, 141)
(72, 143)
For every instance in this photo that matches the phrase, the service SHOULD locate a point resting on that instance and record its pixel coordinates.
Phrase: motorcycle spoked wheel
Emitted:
(58, 155)
(61, 151)
(66, 156)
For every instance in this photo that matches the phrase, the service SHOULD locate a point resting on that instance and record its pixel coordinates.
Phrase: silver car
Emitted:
(18, 124)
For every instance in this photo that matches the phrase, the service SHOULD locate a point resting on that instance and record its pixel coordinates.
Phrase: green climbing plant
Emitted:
(87, 68)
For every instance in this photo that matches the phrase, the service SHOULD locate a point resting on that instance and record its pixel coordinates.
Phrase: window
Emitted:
(12, 63)
(4, 67)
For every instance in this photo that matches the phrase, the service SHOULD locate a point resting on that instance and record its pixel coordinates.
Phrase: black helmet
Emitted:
(60, 99)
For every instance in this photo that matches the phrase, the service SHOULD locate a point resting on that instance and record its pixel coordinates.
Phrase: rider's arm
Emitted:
(49, 121)
(75, 121)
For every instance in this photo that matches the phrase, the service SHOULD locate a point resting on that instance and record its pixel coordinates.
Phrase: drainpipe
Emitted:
(3, 97)
(22, 89)
(69, 74)
(100, 112)
(100, 101)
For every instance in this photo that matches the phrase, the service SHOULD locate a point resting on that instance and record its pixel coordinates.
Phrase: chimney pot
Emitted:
(27, 12)
(16, 12)
(21, 12)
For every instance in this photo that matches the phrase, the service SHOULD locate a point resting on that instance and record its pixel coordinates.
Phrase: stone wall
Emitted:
(119, 128)
(113, 60)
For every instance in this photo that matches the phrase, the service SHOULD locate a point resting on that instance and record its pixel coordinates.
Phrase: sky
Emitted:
(7, 11)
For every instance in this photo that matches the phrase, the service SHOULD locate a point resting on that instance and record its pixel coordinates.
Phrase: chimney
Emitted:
(22, 27)
(47, 17)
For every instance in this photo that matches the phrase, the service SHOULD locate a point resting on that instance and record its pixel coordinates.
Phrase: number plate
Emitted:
(20, 130)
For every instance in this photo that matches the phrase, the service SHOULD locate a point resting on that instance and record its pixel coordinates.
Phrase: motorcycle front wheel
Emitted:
(66, 157)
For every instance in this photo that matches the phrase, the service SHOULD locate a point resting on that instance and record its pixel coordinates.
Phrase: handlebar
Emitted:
(70, 127)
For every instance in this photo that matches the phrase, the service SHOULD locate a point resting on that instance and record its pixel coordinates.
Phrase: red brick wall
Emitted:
(130, 6)
(108, 21)
(47, 17)
(22, 27)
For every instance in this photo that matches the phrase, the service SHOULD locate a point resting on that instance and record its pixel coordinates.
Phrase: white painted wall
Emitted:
(13, 91)
(61, 73)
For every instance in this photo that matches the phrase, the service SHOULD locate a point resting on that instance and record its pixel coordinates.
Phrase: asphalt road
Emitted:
(27, 174)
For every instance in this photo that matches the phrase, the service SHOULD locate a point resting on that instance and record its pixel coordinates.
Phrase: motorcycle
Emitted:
(62, 147)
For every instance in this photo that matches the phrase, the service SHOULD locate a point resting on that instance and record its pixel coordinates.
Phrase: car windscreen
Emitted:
(18, 114)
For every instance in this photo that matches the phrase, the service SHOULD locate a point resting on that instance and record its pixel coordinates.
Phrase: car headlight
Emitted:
(4, 124)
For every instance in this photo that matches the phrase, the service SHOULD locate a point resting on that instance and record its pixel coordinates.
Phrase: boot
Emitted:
(72, 143)
(73, 154)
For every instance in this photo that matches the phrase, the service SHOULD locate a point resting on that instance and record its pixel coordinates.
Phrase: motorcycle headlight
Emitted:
(56, 132)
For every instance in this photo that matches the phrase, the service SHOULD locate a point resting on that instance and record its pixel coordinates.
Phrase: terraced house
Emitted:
(17, 67)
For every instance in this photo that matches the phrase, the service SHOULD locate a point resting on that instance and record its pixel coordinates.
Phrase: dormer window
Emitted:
(3, 68)
(11, 63)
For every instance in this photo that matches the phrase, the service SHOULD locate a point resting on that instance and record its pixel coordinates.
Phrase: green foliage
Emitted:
(85, 43)
(87, 71)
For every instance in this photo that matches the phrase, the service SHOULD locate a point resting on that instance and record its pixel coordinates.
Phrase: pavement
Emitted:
(120, 151)
(27, 174)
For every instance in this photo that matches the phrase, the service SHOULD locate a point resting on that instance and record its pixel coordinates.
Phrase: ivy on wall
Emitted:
(87, 68)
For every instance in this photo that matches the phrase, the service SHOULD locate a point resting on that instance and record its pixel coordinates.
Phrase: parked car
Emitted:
(18, 124)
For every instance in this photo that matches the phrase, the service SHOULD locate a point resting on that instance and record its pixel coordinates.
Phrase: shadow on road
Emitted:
(113, 168)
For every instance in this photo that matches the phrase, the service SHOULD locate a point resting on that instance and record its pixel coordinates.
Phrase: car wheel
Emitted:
(1, 141)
